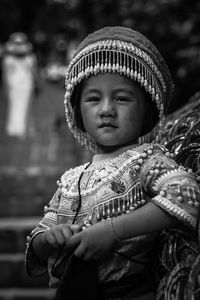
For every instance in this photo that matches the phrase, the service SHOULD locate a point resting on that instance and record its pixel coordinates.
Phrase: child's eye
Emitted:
(121, 99)
(92, 99)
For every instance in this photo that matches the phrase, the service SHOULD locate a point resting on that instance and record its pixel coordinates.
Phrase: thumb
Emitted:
(76, 228)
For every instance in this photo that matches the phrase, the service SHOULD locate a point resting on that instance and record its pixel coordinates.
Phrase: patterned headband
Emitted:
(126, 52)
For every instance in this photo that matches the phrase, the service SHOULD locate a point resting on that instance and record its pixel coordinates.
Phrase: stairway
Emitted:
(29, 169)
(25, 188)
(20, 211)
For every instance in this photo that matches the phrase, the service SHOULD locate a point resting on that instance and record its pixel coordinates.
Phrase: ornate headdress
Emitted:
(126, 52)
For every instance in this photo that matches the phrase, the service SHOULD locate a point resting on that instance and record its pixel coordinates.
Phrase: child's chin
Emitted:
(108, 144)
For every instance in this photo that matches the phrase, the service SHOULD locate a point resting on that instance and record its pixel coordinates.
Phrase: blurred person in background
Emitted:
(19, 69)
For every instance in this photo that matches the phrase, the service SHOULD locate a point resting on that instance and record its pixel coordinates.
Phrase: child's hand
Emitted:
(93, 242)
(59, 235)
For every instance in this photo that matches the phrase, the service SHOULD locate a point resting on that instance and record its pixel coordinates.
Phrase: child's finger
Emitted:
(67, 233)
(59, 237)
(74, 240)
(80, 251)
(48, 237)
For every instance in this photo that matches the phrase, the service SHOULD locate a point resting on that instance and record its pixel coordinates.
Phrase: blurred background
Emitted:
(37, 40)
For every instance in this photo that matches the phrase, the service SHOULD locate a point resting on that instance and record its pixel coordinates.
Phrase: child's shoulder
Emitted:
(151, 148)
(159, 149)
(152, 153)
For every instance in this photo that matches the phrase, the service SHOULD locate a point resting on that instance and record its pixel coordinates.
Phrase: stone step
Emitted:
(27, 294)
(25, 195)
(22, 206)
(54, 152)
(13, 273)
(45, 149)
(13, 233)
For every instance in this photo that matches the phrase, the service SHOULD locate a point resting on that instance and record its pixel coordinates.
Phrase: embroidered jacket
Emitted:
(119, 186)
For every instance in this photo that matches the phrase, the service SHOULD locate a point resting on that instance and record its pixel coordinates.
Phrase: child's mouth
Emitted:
(107, 124)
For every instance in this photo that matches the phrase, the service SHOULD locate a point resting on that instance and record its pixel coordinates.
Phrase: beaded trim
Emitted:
(174, 210)
(114, 56)
(172, 175)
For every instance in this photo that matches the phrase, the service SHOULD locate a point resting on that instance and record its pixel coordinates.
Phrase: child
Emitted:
(111, 210)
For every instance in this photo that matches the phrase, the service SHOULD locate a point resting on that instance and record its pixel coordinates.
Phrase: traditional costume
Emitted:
(105, 189)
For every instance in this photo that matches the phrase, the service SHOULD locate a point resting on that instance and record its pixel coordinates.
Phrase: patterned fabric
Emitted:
(126, 52)
(119, 186)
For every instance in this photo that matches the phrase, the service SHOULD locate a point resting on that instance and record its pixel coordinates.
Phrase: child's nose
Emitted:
(107, 107)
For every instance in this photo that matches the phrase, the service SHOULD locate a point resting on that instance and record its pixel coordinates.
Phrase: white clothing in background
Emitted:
(19, 78)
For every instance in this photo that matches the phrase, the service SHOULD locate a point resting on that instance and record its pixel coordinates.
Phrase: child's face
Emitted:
(112, 108)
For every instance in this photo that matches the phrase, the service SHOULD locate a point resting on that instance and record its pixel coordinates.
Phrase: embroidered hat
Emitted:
(126, 52)
(18, 44)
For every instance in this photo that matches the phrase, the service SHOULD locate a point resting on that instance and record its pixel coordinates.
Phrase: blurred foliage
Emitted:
(54, 25)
